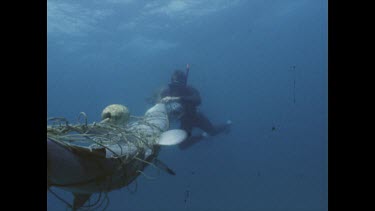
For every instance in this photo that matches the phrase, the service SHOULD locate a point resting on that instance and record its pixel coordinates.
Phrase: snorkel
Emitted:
(187, 73)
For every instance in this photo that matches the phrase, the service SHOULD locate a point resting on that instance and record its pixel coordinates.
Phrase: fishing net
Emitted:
(138, 134)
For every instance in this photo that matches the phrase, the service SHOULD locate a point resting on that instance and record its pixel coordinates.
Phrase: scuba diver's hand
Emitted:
(169, 99)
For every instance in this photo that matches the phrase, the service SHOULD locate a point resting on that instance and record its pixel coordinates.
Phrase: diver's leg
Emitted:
(190, 141)
(187, 123)
(202, 122)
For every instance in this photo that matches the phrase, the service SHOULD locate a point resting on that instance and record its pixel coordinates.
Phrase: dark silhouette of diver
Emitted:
(189, 98)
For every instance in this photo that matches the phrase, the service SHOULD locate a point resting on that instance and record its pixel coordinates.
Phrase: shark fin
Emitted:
(79, 200)
(172, 137)
(163, 167)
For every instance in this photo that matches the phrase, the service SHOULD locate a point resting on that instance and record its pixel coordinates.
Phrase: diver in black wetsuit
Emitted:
(190, 98)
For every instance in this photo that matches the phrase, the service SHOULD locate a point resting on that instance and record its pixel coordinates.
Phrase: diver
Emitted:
(189, 116)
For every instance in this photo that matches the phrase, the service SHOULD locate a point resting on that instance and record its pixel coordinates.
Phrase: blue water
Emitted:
(242, 55)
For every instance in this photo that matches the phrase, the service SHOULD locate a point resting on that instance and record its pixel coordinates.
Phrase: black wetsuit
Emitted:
(190, 99)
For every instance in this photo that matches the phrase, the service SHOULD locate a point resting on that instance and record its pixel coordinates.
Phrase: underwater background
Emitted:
(261, 64)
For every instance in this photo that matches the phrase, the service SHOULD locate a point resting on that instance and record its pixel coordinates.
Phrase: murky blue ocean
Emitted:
(261, 64)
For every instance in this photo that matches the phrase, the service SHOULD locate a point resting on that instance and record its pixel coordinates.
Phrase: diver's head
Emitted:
(178, 79)
(116, 114)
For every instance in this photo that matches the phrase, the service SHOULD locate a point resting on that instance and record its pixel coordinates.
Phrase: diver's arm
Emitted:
(164, 92)
(164, 95)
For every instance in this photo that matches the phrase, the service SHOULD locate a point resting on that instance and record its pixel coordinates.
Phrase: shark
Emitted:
(85, 170)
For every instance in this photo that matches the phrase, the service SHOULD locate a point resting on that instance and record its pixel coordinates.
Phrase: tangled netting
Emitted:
(100, 134)
(132, 140)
